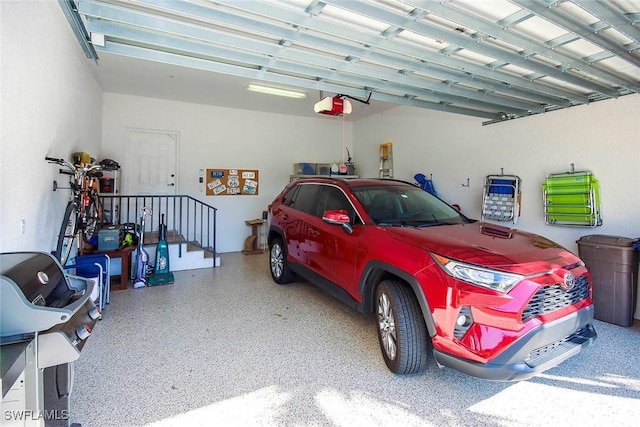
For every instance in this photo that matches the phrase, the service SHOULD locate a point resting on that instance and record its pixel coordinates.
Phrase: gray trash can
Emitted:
(613, 264)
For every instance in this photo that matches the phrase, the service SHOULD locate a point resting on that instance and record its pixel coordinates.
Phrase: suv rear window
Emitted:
(305, 199)
(288, 198)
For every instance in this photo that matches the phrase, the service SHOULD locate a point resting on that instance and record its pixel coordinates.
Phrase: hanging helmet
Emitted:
(109, 164)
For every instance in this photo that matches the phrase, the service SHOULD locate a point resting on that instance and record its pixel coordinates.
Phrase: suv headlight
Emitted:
(479, 276)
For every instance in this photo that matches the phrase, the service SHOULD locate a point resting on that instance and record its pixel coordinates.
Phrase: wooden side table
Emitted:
(251, 242)
(121, 282)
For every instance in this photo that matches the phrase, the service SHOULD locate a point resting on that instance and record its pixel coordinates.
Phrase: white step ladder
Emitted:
(386, 160)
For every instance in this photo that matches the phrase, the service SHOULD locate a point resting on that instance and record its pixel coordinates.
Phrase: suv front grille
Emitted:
(552, 298)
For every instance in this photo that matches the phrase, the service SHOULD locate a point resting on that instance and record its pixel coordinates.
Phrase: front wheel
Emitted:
(68, 231)
(280, 270)
(401, 329)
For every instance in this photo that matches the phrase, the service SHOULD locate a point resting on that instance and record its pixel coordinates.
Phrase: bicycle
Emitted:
(83, 214)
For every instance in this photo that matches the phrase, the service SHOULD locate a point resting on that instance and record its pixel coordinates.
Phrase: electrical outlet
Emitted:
(201, 172)
(23, 226)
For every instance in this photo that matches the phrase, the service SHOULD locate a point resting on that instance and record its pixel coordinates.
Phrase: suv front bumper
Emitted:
(540, 349)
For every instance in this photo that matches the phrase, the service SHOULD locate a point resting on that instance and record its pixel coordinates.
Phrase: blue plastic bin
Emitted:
(86, 265)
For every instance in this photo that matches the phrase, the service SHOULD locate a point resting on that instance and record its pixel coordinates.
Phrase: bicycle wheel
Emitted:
(92, 224)
(68, 231)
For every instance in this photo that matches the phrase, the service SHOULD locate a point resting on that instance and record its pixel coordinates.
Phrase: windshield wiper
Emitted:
(396, 224)
(435, 223)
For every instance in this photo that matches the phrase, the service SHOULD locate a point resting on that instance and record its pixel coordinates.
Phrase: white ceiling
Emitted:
(495, 59)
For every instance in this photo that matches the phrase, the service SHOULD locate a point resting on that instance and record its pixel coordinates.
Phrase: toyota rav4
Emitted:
(490, 301)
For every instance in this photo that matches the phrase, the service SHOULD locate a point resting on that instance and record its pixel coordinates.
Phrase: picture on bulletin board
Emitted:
(232, 182)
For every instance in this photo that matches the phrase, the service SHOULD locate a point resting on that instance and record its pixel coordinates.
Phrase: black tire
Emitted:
(68, 231)
(402, 333)
(280, 271)
(92, 220)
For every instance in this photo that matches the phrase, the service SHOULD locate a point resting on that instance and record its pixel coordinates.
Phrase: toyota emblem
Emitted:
(569, 282)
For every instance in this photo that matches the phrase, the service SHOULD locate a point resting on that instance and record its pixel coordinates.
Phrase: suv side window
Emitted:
(306, 197)
(288, 198)
(332, 198)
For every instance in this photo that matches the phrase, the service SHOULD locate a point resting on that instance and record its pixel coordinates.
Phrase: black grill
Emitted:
(551, 298)
(544, 354)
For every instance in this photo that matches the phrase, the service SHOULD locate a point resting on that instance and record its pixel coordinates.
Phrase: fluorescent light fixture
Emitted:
(276, 91)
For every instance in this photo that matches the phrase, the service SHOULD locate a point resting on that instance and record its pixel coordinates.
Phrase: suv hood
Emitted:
(489, 245)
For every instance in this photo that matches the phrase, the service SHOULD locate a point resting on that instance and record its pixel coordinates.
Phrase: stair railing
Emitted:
(187, 219)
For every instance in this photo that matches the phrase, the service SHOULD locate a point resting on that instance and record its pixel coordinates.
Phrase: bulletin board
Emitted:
(232, 182)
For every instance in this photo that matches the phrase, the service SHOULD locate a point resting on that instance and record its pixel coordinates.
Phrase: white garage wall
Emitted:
(51, 105)
(216, 137)
(603, 137)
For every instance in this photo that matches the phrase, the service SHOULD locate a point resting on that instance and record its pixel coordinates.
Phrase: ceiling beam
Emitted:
(216, 67)
(447, 11)
(555, 14)
(274, 56)
(449, 68)
(613, 18)
(235, 52)
(426, 29)
(75, 21)
(303, 44)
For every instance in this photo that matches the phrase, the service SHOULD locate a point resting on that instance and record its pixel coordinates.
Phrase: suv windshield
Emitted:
(406, 205)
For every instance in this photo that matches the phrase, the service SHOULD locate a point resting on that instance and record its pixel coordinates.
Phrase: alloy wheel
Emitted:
(277, 260)
(387, 326)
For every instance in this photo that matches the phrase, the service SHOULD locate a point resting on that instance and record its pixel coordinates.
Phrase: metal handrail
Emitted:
(192, 220)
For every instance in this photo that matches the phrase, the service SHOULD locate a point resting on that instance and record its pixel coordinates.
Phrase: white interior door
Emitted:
(152, 159)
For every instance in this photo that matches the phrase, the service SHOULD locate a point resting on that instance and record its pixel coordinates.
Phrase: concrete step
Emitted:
(193, 256)
(152, 238)
(190, 260)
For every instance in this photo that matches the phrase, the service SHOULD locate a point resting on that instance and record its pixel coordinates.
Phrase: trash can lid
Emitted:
(605, 240)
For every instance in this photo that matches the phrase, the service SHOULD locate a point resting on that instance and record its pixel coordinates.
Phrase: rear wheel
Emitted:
(68, 231)
(401, 330)
(92, 219)
(278, 265)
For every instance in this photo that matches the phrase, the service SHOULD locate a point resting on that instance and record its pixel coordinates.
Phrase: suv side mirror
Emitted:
(338, 217)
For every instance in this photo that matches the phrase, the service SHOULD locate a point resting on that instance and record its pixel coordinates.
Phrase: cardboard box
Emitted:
(109, 239)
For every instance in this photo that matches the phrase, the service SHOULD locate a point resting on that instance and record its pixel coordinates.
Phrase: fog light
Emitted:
(463, 322)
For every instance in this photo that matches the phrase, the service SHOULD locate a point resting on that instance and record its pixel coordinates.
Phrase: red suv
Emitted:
(490, 301)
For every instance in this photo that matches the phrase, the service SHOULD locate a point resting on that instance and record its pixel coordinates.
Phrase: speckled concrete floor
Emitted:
(227, 346)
